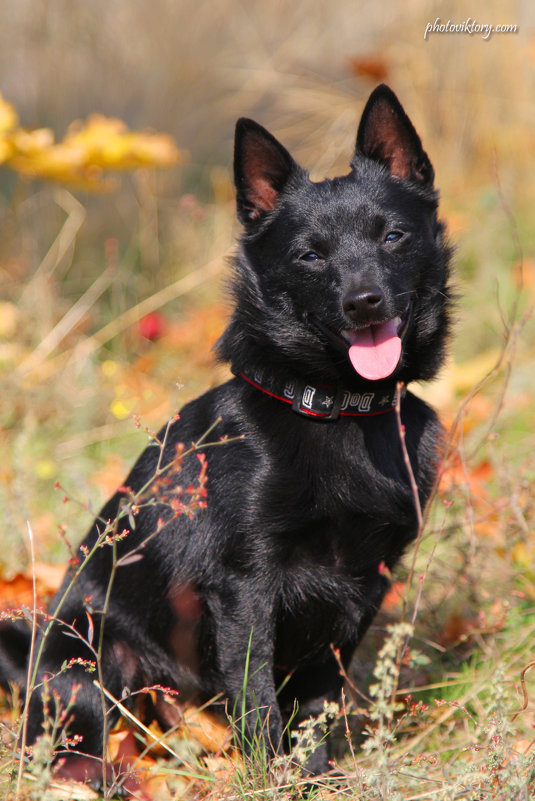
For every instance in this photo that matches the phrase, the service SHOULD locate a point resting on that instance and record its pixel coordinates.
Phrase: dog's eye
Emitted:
(393, 236)
(310, 256)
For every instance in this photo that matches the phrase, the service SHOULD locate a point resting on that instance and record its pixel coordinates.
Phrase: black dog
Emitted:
(341, 291)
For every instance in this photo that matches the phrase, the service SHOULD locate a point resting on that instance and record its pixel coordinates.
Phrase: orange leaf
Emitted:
(522, 746)
(456, 629)
(209, 732)
(525, 273)
(474, 478)
(369, 66)
(393, 597)
(18, 591)
(49, 577)
(110, 475)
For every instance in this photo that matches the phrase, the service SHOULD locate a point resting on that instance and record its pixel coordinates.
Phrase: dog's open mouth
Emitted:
(374, 350)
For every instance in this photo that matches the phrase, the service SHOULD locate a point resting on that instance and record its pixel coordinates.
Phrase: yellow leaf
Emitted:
(101, 143)
(109, 368)
(528, 587)
(51, 162)
(31, 142)
(8, 116)
(9, 315)
(6, 149)
(107, 143)
(521, 555)
(120, 410)
(38, 157)
(45, 469)
(147, 150)
(95, 135)
(465, 376)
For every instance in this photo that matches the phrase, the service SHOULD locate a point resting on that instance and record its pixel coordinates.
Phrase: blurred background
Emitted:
(111, 300)
(108, 300)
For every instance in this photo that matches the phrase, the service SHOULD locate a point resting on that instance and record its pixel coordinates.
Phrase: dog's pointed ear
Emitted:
(387, 135)
(262, 166)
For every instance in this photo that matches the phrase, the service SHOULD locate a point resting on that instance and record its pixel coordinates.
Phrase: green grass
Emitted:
(479, 580)
(475, 609)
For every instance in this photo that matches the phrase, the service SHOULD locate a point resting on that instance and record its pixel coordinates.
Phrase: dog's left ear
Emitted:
(387, 135)
(262, 166)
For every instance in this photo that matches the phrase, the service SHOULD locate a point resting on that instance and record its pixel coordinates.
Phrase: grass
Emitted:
(440, 716)
(470, 597)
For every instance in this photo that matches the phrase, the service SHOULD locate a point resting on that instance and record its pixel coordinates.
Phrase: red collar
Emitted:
(323, 402)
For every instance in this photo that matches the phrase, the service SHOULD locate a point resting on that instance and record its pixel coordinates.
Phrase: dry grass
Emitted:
(77, 272)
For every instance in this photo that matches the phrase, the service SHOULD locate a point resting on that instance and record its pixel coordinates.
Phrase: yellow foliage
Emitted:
(522, 555)
(108, 143)
(8, 120)
(6, 150)
(466, 375)
(9, 315)
(32, 143)
(120, 409)
(8, 116)
(88, 150)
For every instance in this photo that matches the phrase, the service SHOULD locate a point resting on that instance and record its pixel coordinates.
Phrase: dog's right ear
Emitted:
(387, 135)
(262, 167)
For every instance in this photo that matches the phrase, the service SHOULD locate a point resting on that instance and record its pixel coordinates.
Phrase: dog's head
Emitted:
(345, 279)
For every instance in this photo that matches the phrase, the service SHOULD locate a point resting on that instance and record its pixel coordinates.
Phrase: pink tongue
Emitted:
(375, 350)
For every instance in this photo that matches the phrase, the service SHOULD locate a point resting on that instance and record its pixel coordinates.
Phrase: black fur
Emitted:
(300, 512)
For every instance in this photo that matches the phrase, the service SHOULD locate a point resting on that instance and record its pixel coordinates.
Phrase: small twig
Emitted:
(349, 739)
(127, 714)
(25, 715)
(524, 690)
(406, 459)
(67, 322)
(208, 431)
(350, 683)
(76, 214)
(178, 288)
(83, 349)
(415, 494)
(163, 444)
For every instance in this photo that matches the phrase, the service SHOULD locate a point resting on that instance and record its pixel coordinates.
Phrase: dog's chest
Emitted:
(338, 481)
(327, 592)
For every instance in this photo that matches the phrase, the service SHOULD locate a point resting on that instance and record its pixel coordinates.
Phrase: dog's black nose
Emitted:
(363, 305)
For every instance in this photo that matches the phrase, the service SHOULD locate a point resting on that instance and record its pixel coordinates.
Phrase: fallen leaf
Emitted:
(205, 729)
(456, 629)
(74, 791)
(522, 746)
(475, 478)
(18, 591)
(49, 577)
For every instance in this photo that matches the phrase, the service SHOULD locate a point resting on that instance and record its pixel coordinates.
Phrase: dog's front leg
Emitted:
(308, 698)
(245, 644)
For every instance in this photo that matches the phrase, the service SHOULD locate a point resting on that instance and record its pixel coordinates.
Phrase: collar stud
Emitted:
(323, 402)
